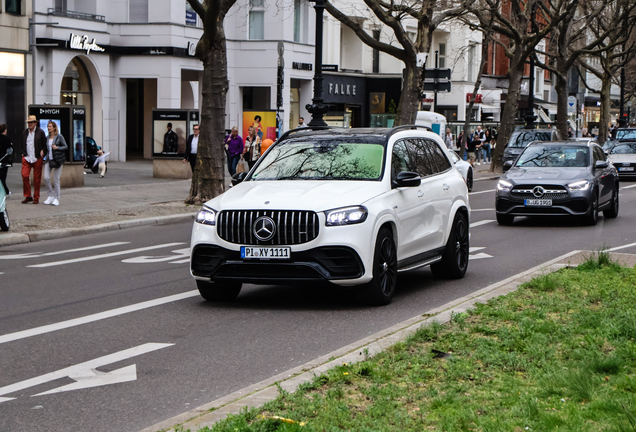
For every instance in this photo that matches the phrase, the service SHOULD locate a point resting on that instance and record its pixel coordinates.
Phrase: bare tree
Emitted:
(512, 20)
(394, 15)
(208, 178)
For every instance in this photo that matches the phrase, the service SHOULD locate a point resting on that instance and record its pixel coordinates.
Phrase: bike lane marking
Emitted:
(38, 254)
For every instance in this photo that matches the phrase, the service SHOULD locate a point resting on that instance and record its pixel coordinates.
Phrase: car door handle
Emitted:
(420, 194)
(445, 186)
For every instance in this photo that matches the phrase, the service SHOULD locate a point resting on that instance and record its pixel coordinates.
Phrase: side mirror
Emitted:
(407, 179)
(10, 150)
(507, 165)
(601, 164)
(238, 177)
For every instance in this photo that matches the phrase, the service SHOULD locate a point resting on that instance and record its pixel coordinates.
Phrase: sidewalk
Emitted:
(128, 192)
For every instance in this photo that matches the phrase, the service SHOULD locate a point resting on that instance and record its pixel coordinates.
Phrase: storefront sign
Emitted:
(478, 98)
(158, 51)
(344, 89)
(169, 132)
(78, 42)
(330, 67)
(302, 66)
(192, 49)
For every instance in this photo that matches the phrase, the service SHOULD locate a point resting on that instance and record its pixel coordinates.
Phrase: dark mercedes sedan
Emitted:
(558, 179)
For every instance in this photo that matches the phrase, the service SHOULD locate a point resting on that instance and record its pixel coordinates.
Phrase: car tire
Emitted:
(381, 289)
(4, 221)
(504, 219)
(454, 261)
(219, 291)
(612, 211)
(469, 180)
(592, 217)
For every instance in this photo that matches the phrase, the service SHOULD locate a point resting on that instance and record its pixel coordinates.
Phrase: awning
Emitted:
(552, 108)
(542, 115)
(490, 108)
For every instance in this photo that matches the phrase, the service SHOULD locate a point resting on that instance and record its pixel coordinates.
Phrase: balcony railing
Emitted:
(76, 15)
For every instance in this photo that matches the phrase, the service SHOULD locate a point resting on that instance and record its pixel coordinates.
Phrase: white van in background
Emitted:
(435, 121)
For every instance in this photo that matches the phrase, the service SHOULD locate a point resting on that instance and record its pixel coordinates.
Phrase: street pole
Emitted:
(317, 108)
(435, 93)
(621, 119)
(530, 117)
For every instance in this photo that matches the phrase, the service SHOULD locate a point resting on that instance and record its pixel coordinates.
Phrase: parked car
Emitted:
(352, 207)
(623, 156)
(558, 179)
(464, 168)
(618, 135)
(520, 139)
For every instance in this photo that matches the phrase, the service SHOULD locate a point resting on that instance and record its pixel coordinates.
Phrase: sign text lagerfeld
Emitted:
(79, 42)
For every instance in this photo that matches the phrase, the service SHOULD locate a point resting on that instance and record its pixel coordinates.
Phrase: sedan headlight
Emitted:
(580, 185)
(206, 216)
(504, 185)
(346, 216)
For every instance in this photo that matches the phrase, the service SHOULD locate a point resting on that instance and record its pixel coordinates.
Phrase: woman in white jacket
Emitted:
(54, 141)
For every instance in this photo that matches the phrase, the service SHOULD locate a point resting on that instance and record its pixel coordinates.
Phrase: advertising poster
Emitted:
(169, 129)
(61, 116)
(376, 103)
(194, 120)
(78, 140)
(263, 121)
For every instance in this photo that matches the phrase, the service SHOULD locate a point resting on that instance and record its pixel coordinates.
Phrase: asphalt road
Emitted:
(161, 358)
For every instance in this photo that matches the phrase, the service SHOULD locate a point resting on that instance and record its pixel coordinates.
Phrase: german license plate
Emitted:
(249, 252)
(626, 168)
(538, 202)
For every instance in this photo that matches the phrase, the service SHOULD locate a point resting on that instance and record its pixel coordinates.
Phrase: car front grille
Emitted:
(292, 227)
(553, 192)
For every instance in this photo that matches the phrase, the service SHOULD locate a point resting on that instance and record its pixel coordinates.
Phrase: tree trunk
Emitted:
(561, 87)
(603, 129)
(515, 75)
(208, 178)
(411, 94)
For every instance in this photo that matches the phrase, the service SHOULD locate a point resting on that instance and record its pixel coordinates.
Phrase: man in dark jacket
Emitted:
(32, 148)
(170, 140)
(5, 144)
(192, 145)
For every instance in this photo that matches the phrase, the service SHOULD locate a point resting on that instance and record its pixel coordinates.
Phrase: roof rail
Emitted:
(397, 129)
(303, 129)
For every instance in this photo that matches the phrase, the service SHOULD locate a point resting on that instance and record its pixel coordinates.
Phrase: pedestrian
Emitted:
(252, 150)
(192, 146)
(570, 133)
(449, 139)
(301, 123)
(170, 140)
(234, 148)
(471, 144)
(5, 144)
(479, 138)
(486, 146)
(55, 141)
(32, 149)
(100, 161)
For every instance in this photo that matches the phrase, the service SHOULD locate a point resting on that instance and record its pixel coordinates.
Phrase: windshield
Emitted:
(624, 148)
(522, 138)
(554, 156)
(626, 134)
(321, 159)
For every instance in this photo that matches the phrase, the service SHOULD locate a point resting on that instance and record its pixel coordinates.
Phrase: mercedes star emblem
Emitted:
(264, 228)
(538, 191)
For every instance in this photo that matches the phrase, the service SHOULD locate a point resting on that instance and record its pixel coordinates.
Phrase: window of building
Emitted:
(137, 11)
(13, 7)
(76, 90)
(442, 55)
(538, 80)
(297, 20)
(471, 62)
(257, 19)
(376, 53)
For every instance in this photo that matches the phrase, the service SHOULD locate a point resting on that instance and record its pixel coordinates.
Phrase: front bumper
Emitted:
(574, 204)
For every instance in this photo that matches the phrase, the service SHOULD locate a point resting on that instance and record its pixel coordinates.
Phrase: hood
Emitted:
(543, 175)
(297, 195)
(618, 158)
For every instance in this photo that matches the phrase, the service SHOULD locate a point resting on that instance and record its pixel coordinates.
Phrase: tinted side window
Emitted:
(420, 158)
(399, 159)
(437, 155)
(599, 154)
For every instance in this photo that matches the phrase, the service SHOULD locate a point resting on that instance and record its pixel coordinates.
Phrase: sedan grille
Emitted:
(553, 192)
(292, 227)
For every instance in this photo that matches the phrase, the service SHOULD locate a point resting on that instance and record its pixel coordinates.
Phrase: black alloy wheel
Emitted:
(382, 287)
(4, 220)
(219, 291)
(454, 261)
(612, 211)
(469, 180)
(592, 217)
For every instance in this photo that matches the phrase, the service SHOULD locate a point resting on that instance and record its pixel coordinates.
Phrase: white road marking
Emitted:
(85, 374)
(492, 209)
(181, 261)
(107, 255)
(621, 247)
(481, 192)
(38, 254)
(180, 254)
(479, 256)
(627, 187)
(475, 249)
(484, 222)
(95, 317)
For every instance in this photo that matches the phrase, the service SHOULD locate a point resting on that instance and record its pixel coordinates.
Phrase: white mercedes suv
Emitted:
(352, 207)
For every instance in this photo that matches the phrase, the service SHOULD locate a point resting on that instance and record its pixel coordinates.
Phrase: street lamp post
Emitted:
(318, 108)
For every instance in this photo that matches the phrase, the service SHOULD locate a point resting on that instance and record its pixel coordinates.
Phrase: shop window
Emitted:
(442, 55)
(76, 90)
(256, 98)
(138, 11)
(257, 20)
(13, 7)
(60, 5)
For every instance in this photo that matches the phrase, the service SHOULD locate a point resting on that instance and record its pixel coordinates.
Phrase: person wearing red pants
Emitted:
(33, 148)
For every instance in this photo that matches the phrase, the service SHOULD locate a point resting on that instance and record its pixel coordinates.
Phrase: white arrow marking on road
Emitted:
(181, 261)
(484, 222)
(38, 254)
(107, 255)
(481, 192)
(84, 373)
(475, 249)
(479, 256)
(181, 253)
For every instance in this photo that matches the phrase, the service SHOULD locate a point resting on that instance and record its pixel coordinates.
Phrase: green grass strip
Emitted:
(557, 354)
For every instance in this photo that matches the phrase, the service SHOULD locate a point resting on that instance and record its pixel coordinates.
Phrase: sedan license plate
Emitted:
(538, 202)
(626, 168)
(249, 252)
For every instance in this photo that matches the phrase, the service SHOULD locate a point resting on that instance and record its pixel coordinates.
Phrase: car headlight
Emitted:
(580, 185)
(346, 216)
(504, 185)
(206, 216)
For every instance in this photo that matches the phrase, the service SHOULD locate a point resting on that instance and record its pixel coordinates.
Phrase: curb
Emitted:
(35, 236)
(258, 394)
